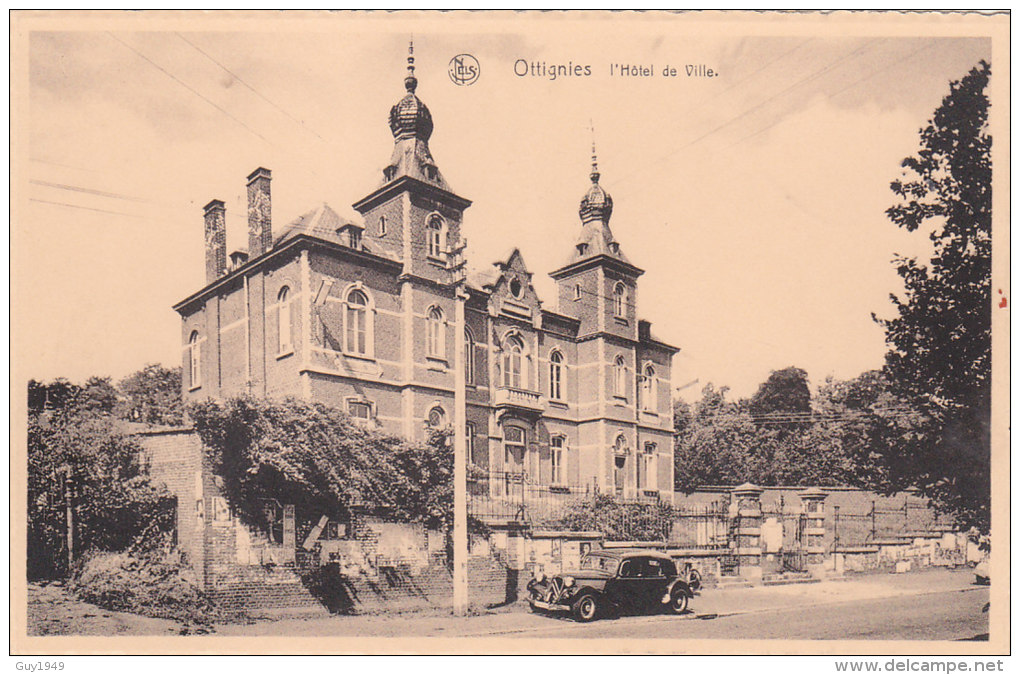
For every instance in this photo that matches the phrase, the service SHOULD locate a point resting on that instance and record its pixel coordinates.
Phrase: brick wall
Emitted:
(394, 566)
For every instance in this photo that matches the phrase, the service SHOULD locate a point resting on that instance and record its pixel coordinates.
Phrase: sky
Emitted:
(753, 200)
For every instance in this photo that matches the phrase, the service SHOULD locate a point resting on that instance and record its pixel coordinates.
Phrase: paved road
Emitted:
(932, 605)
(938, 615)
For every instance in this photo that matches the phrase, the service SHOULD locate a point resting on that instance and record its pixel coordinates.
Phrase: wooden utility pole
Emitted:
(69, 514)
(460, 535)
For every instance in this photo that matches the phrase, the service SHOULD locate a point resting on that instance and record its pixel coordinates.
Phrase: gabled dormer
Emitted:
(512, 292)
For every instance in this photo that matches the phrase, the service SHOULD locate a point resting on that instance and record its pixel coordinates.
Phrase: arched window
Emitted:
(195, 358)
(513, 363)
(283, 322)
(577, 291)
(648, 388)
(469, 357)
(619, 299)
(382, 226)
(437, 418)
(434, 235)
(556, 375)
(356, 338)
(620, 452)
(436, 334)
(620, 378)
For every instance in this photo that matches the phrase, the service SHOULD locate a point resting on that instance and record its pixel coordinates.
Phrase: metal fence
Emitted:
(700, 526)
(513, 498)
(882, 522)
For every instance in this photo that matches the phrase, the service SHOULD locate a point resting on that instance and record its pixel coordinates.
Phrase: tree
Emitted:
(785, 391)
(79, 462)
(98, 395)
(939, 357)
(715, 447)
(152, 396)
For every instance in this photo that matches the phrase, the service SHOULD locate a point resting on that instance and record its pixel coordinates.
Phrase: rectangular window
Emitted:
(469, 433)
(556, 377)
(359, 410)
(649, 461)
(556, 461)
(357, 335)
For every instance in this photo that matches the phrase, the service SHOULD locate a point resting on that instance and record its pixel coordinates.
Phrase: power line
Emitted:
(250, 87)
(189, 87)
(86, 208)
(663, 158)
(844, 89)
(65, 166)
(91, 191)
(804, 80)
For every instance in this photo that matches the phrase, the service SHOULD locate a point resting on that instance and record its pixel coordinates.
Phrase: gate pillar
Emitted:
(746, 543)
(813, 512)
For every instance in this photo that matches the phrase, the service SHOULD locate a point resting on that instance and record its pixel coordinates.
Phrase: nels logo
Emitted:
(464, 69)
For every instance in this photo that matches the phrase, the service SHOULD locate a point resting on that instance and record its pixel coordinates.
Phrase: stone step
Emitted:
(787, 580)
(732, 582)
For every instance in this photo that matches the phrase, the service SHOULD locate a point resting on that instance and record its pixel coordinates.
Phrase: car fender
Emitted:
(591, 590)
(677, 583)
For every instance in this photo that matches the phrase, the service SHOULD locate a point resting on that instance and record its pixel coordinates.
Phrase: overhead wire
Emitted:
(189, 87)
(808, 78)
(250, 87)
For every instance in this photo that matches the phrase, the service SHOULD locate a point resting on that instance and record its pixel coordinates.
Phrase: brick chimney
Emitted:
(215, 241)
(260, 212)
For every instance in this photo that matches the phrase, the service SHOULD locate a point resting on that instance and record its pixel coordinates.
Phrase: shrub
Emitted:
(154, 583)
(620, 522)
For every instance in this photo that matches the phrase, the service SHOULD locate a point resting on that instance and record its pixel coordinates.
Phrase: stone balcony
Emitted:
(520, 400)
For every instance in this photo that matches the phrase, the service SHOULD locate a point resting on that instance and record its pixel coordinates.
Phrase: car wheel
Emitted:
(695, 580)
(678, 602)
(586, 608)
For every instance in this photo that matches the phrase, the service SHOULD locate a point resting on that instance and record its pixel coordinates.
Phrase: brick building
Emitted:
(363, 316)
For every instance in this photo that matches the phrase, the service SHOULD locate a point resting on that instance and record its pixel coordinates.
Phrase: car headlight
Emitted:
(568, 582)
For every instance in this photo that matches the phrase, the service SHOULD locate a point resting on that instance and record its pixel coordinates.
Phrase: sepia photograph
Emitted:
(510, 333)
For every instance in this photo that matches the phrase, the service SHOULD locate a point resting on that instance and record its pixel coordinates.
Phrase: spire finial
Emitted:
(594, 156)
(410, 82)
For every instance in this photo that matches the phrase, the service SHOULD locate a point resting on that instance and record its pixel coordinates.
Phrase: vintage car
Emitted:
(613, 580)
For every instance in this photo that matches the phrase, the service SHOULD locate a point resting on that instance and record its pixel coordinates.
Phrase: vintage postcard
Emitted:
(510, 332)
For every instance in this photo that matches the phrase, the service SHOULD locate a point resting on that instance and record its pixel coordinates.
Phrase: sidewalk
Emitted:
(517, 619)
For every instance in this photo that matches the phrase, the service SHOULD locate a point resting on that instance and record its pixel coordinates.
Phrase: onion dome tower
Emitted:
(596, 209)
(413, 216)
(411, 124)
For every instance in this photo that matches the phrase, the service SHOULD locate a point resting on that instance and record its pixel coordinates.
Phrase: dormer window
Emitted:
(354, 238)
(350, 235)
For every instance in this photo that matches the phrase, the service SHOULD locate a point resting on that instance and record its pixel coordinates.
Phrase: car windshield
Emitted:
(594, 561)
